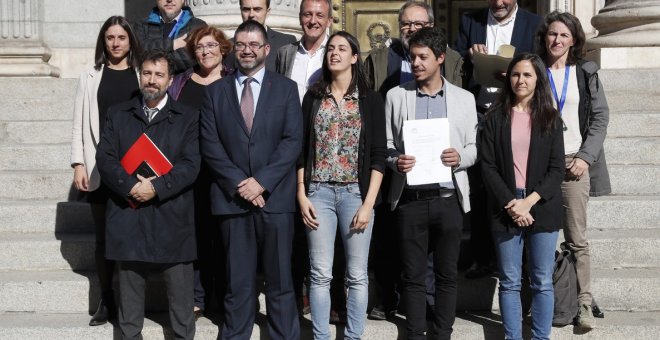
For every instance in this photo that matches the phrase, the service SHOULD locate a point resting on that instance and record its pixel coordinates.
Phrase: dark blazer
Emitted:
(268, 153)
(372, 148)
(286, 56)
(150, 33)
(545, 173)
(275, 40)
(161, 230)
(472, 30)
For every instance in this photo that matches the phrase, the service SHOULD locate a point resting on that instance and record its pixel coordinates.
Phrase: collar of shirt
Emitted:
(258, 77)
(492, 21)
(439, 93)
(174, 20)
(161, 103)
(354, 95)
(303, 50)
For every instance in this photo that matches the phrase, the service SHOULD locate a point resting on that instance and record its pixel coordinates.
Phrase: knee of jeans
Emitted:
(320, 278)
(541, 281)
(357, 278)
(509, 284)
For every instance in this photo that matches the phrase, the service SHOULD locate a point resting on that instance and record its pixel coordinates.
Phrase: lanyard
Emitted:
(562, 101)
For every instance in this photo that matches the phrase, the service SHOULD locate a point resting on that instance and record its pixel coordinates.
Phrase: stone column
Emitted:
(22, 50)
(226, 15)
(628, 34)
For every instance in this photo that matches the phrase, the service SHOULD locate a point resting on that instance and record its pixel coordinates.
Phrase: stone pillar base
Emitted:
(626, 57)
(26, 60)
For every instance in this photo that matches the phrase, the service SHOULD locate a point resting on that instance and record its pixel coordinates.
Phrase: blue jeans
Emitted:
(541, 259)
(336, 205)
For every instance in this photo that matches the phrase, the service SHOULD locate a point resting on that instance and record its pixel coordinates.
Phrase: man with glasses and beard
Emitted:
(251, 137)
(156, 232)
(167, 28)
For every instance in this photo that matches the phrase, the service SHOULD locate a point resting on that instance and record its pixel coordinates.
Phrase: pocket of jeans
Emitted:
(313, 188)
(354, 189)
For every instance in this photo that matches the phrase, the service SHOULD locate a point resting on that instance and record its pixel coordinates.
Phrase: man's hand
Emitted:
(259, 201)
(478, 48)
(143, 190)
(405, 163)
(450, 157)
(179, 42)
(80, 179)
(577, 168)
(250, 189)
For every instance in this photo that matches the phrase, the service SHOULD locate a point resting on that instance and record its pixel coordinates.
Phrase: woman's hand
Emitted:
(524, 221)
(80, 179)
(308, 212)
(518, 208)
(362, 217)
(577, 167)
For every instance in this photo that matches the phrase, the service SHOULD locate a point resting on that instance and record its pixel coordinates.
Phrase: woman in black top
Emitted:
(210, 47)
(112, 80)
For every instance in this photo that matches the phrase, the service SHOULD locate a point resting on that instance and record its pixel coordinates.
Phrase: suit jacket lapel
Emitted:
(93, 81)
(519, 33)
(235, 105)
(482, 26)
(411, 99)
(259, 113)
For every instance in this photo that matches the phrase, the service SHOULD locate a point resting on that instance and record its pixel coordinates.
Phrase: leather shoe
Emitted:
(479, 271)
(104, 312)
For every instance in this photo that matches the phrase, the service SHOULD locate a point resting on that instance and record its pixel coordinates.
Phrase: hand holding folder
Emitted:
(144, 158)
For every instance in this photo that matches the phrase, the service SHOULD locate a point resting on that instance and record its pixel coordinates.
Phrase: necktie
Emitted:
(247, 103)
(150, 112)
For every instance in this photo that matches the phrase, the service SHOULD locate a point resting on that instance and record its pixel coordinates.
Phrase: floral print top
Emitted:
(337, 129)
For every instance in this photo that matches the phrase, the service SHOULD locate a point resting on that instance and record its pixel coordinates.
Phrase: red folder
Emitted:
(144, 154)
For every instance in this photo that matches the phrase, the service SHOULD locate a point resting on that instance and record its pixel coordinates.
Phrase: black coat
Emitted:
(545, 173)
(372, 148)
(161, 230)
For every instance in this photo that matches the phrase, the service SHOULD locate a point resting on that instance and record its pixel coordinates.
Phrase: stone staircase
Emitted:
(48, 286)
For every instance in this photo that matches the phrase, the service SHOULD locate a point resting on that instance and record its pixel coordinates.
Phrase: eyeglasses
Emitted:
(208, 47)
(254, 46)
(406, 25)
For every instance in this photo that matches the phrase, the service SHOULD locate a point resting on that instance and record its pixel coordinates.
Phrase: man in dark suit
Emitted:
(158, 235)
(258, 10)
(251, 137)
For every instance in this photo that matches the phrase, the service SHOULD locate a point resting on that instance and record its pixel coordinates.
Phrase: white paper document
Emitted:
(426, 139)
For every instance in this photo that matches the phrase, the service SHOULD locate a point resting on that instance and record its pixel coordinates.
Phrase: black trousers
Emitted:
(179, 283)
(246, 237)
(429, 225)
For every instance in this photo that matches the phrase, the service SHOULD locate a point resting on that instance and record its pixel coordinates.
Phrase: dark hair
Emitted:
(543, 113)
(359, 78)
(576, 51)
(218, 35)
(413, 3)
(100, 57)
(240, 3)
(252, 26)
(430, 37)
(302, 3)
(158, 54)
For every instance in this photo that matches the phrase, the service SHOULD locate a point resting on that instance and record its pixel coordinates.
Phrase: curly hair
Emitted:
(576, 51)
(218, 35)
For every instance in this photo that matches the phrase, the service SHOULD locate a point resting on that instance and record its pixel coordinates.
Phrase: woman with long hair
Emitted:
(112, 80)
(210, 47)
(522, 163)
(580, 99)
(339, 175)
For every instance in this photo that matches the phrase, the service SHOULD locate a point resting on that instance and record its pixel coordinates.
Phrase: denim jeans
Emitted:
(336, 205)
(541, 258)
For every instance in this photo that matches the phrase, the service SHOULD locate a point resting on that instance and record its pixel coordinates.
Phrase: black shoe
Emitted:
(104, 312)
(597, 313)
(479, 271)
(377, 313)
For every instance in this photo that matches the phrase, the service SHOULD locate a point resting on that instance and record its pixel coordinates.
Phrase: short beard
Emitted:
(149, 96)
(169, 17)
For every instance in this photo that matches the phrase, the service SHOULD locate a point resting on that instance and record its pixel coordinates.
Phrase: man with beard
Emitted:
(484, 31)
(251, 137)
(156, 232)
(167, 28)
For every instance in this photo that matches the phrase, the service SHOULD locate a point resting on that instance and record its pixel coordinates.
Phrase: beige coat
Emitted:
(86, 134)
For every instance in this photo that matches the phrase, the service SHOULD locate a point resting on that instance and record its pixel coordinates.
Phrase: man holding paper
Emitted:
(156, 232)
(429, 215)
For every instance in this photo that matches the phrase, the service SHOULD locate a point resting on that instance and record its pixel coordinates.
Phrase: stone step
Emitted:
(35, 132)
(36, 157)
(632, 150)
(623, 212)
(37, 98)
(79, 292)
(634, 123)
(33, 185)
(630, 80)
(635, 179)
(468, 326)
(46, 251)
(626, 101)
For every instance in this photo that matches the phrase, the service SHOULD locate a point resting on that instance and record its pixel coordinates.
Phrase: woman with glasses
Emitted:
(113, 79)
(339, 175)
(522, 163)
(210, 47)
(580, 99)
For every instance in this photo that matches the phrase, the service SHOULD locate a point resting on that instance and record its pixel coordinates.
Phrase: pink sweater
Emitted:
(521, 130)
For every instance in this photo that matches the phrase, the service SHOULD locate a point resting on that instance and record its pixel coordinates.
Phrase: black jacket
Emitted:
(372, 148)
(149, 32)
(545, 173)
(161, 230)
